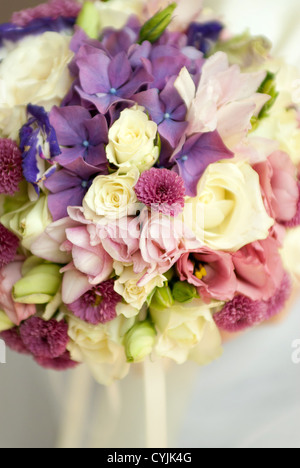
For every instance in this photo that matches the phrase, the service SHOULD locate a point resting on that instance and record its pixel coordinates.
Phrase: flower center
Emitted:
(86, 144)
(200, 271)
(167, 116)
(84, 184)
(113, 91)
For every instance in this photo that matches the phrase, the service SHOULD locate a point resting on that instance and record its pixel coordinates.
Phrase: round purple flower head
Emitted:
(46, 340)
(14, 341)
(98, 305)
(54, 9)
(9, 244)
(240, 313)
(162, 190)
(63, 362)
(277, 302)
(10, 167)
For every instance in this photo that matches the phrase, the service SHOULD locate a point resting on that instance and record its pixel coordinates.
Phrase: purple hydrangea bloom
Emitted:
(168, 110)
(38, 144)
(203, 36)
(105, 81)
(81, 137)
(197, 153)
(69, 188)
(14, 33)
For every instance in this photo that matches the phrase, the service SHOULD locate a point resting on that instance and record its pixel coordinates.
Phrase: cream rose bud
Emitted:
(100, 347)
(228, 211)
(28, 221)
(132, 141)
(34, 70)
(187, 332)
(112, 196)
(133, 294)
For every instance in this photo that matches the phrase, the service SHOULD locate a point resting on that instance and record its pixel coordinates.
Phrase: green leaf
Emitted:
(156, 26)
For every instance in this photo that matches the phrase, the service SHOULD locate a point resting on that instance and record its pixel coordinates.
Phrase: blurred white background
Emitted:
(249, 398)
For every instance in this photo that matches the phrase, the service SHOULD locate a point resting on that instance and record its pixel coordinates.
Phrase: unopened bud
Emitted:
(139, 341)
(156, 26)
(184, 292)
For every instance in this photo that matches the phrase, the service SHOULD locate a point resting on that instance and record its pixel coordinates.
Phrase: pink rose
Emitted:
(16, 312)
(163, 241)
(259, 269)
(279, 185)
(211, 272)
(121, 240)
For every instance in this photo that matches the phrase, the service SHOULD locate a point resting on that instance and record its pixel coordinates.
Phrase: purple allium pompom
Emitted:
(10, 167)
(162, 190)
(62, 363)
(295, 221)
(277, 302)
(54, 9)
(9, 244)
(240, 313)
(14, 341)
(97, 305)
(47, 340)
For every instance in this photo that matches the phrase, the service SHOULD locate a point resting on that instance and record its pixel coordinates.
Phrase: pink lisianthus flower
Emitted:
(121, 240)
(211, 272)
(259, 269)
(225, 100)
(279, 186)
(16, 312)
(163, 241)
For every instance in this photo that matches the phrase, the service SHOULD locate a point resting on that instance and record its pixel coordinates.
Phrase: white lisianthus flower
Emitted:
(29, 221)
(111, 196)
(282, 122)
(35, 70)
(187, 332)
(133, 294)
(116, 13)
(100, 347)
(132, 141)
(228, 211)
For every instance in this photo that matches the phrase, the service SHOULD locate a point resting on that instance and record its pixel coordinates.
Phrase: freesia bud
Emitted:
(163, 298)
(184, 292)
(5, 323)
(38, 285)
(89, 20)
(139, 341)
(156, 26)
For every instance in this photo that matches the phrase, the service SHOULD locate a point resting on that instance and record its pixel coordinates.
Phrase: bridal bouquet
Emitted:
(148, 180)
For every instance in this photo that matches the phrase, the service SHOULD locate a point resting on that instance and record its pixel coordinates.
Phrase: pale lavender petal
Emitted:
(198, 152)
(93, 71)
(119, 71)
(67, 122)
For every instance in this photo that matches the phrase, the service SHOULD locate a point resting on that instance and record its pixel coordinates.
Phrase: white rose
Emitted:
(100, 347)
(112, 196)
(228, 211)
(133, 294)
(132, 141)
(35, 70)
(187, 332)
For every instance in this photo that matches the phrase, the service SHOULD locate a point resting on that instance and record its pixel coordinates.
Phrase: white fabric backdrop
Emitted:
(249, 398)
